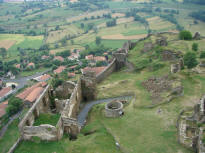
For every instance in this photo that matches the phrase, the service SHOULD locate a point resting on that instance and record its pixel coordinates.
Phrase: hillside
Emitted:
(146, 123)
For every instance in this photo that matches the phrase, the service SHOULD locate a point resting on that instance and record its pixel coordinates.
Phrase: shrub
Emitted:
(185, 35)
(202, 55)
(195, 47)
(190, 60)
(140, 65)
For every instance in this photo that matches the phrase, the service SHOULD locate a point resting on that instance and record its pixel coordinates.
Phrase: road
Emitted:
(3, 130)
(22, 81)
(84, 112)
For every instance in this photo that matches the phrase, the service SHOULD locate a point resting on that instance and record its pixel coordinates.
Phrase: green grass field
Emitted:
(10, 137)
(51, 119)
(20, 41)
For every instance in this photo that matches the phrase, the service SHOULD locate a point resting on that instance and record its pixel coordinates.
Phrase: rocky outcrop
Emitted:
(197, 36)
(147, 47)
(168, 55)
(162, 41)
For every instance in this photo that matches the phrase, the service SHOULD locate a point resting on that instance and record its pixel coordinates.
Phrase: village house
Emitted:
(97, 70)
(44, 77)
(31, 65)
(10, 75)
(73, 56)
(71, 75)
(4, 92)
(18, 66)
(3, 107)
(30, 94)
(59, 70)
(72, 68)
(44, 57)
(89, 57)
(59, 58)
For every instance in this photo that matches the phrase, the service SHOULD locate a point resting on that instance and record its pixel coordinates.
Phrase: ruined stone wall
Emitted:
(44, 132)
(107, 71)
(72, 107)
(70, 112)
(42, 105)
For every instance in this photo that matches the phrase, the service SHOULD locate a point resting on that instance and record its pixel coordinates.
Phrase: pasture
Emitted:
(14, 41)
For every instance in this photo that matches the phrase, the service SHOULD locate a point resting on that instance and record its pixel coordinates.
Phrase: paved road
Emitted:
(84, 112)
(22, 81)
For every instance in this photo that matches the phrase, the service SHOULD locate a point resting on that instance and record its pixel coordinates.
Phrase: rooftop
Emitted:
(3, 107)
(59, 58)
(33, 92)
(59, 69)
(97, 70)
(5, 91)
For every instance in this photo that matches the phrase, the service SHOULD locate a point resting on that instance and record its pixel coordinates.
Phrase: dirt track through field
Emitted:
(122, 37)
(7, 43)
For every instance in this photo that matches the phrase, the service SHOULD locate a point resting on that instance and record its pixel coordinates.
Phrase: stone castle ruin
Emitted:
(71, 95)
(191, 127)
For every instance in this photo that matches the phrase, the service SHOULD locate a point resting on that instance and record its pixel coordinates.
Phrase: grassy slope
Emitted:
(141, 129)
(99, 142)
(10, 137)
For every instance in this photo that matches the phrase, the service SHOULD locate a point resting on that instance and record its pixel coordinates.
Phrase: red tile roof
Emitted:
(18, 66)
(59, 69)
(34, 94)
(59, 58)
(97, 70)
(44, 57)
(5, 91)
(28, 91)
(45, 77)
(3, 107)
(71, 74)
(72, 67)
(31, 64)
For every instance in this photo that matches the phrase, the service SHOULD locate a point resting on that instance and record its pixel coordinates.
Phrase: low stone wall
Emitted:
(106, 72)
(44, 132)
(114, 109)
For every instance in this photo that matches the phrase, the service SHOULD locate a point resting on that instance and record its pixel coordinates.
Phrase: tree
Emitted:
(57, 27)
(195, 47)
(190, 60)
(82, 25)
(98, 40)
(202, 55)
(3, 52)
(185, 35)
(14, 105)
